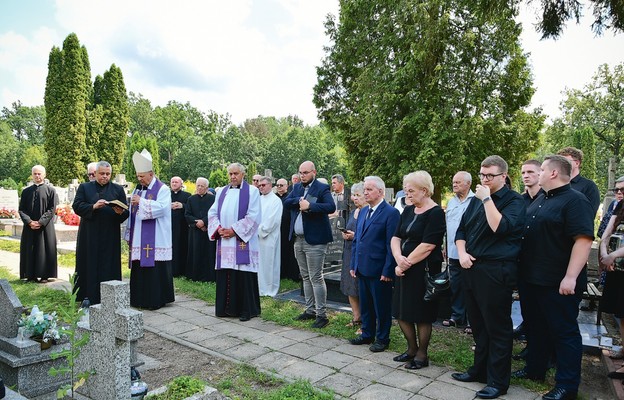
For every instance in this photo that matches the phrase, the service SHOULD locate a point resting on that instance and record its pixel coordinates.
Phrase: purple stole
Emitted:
(148, 230)
(242, 249)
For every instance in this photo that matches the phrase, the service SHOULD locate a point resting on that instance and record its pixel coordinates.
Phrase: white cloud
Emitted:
(569, 62)
(242, 57)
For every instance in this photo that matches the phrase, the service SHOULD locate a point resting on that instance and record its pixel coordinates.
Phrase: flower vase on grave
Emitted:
(44, 343)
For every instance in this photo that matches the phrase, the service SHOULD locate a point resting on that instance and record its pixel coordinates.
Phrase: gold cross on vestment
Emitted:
(147, 250)
(242, 245)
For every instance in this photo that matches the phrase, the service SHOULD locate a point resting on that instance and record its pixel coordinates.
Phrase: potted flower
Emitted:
(41, 327)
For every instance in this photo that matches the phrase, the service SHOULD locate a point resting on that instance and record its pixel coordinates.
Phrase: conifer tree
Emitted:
(110, 95)
(65, 103)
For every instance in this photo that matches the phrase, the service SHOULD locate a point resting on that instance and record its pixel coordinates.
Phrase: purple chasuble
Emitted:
(148, 230)
(242, 248)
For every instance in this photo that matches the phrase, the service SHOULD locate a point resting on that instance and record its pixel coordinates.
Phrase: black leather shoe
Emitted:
(244, 318)
(378, 347)
(305, 316)
(559, 394)
(616, 375)
(403, 357)
(523, 374)
(361, 340)
(321, 322)
(466, 377)
(417, 364)
(490, 392)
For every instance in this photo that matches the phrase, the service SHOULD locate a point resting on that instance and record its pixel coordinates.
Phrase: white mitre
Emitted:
(142, 161)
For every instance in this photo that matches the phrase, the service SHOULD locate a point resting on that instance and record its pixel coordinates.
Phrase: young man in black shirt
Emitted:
(555, 247)
(488, 242)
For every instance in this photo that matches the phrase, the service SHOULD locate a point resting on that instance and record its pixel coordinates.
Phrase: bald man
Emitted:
(310, 202)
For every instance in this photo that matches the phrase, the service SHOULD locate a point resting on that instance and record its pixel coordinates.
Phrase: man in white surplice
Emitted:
(233, 222)
(149, 238)
(269, 236)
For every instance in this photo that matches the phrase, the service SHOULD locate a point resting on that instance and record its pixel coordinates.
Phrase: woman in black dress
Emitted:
(416, 246)
(349, 284)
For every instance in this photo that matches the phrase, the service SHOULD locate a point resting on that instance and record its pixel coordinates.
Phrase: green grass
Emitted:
(10, 245)
(248, 383)
(449, 347)
(31, 293)
(67, 260)
(181, 388)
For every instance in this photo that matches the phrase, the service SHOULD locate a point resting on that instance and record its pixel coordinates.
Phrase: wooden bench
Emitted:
(593, 295)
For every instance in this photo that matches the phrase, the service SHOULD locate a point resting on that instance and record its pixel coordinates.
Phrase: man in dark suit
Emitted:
(372, 262)
(310, 202)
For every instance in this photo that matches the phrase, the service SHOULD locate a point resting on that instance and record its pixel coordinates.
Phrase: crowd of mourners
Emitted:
(490, 239)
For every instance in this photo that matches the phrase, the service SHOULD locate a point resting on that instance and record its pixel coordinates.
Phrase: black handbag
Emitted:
(438, 285)
(616, 241)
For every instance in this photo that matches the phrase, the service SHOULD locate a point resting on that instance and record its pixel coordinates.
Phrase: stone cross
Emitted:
(10, 310)
(113, 325)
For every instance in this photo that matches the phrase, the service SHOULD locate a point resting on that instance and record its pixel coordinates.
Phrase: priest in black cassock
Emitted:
(200, 264)
(179, 228)
(38, 244)
(98, 247)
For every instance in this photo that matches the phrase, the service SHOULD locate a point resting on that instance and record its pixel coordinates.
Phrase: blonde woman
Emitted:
(416, 245)
(348, 283)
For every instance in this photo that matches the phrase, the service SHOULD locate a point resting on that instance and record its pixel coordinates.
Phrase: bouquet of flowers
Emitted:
(7, 213)
(39, 324)
(67, 215)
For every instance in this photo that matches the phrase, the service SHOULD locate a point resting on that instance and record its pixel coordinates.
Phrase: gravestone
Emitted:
(61, 194)
(23, 365)
(114, 328)
(71, 190)
(9, 200)
(11, 309)
(120, 179)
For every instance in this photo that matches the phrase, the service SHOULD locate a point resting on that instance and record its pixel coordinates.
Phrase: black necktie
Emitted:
(370, 213)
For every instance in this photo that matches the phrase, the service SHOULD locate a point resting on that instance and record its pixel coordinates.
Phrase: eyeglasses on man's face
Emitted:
(280, 185)
(91, 174)
(618, 190)
(263, 185)
(304, 172)
(489, 177)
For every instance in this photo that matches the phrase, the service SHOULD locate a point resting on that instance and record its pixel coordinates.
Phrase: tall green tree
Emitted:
(428, 85)
(10, 153)
(584, 140)
(597, 108)
(110, 94)
(608, 14)
(66, 98)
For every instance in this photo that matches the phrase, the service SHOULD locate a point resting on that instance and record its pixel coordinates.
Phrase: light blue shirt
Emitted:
(454, 211)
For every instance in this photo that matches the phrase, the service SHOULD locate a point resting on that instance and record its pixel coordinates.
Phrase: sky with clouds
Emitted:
(241, 57)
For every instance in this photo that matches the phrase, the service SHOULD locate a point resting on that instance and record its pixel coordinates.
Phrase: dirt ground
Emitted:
(174, 360)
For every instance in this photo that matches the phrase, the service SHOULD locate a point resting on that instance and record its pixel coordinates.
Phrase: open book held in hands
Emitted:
(117, 203)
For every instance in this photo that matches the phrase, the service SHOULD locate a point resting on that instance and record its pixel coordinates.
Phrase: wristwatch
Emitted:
(486, 199)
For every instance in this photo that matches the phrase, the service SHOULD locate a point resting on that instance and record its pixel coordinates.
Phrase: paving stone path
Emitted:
(350, 371)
